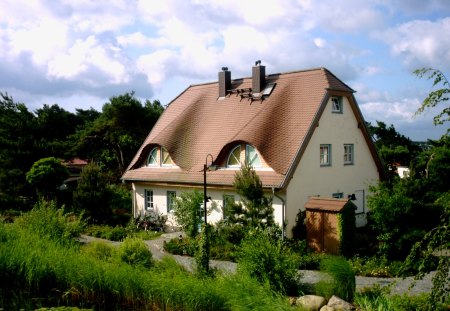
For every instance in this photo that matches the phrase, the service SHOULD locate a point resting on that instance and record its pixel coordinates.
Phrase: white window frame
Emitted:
(325, 157)
(148, 200)
(152, 159)
(171, 195)
(349, 154)
(163, 152)
(336, 104)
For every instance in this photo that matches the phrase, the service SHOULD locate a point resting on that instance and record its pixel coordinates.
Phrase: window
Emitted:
(348, 154)
(325, 155)
(171, 195)
(252, 156)
(165, 157)
(227, 200)
(338, 195)
(148, 199)
(152, 159)
(336, 104)
(234, 159)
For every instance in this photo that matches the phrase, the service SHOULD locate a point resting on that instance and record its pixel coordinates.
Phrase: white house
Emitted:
(302, 132)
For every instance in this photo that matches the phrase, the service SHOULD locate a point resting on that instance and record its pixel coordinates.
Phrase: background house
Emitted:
(302, 132)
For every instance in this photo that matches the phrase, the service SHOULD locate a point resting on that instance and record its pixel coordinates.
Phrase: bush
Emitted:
(46, 220)
(183, 247)
(133, 251)
(100, 250)
(342, 284)
(187, 212)
(267, 260)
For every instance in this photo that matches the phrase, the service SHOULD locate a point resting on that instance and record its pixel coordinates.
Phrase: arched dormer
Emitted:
(240, 153)
(158, 156)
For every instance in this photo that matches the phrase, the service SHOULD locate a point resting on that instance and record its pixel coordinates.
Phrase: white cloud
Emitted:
(421, 43)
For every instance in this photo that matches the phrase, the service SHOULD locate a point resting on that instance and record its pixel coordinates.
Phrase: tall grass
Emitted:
(342, 283)
(38, 270)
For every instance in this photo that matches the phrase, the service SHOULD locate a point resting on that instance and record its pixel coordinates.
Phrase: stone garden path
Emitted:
(398, 285)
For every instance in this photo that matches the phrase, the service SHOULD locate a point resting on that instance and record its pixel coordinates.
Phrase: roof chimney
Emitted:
(258, 77)
(224, 81)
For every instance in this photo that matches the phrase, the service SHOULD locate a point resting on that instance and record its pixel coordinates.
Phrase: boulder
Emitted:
(339, 304)
(311, 302)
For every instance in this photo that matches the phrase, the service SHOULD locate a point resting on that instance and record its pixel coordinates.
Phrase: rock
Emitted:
(311, 302)
(339, 304)
(327, 308)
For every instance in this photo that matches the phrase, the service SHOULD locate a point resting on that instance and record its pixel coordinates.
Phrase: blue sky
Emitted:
(78, 54)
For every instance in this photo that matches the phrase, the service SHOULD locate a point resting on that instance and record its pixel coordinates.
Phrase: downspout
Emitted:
(283, 206)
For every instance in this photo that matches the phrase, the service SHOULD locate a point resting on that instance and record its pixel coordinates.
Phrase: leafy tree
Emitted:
(114, 137)
(394, 148)
(92, 195)
(17, 152)
(187, 212)
(46, 175)
(255, 209)
(435, 97)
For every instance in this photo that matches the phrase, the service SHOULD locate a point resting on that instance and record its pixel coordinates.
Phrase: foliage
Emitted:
(255, 209)
(92, 195)
(376, 266)
(435, 97)
(46, 175)
(187, 211)
(267, 260)
(49, 221)
(114, 137)
(435, 244)
(133, 251)
(203, 251)
(347, 230)
(299, 229)
(44, 272)
(181, 246)
(100, 250)
(397, 217)
(120, 202)
(342, 283)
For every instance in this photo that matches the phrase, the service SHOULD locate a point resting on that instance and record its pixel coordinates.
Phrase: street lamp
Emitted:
(207, 167)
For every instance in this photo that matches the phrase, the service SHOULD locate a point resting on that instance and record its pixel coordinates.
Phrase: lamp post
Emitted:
(205, 197)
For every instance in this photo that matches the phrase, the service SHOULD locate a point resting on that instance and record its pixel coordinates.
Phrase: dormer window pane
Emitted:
(252, 157)
(165, 157)
(152, 159)
(234, 159)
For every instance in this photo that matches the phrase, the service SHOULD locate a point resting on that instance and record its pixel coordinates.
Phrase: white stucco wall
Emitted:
(310, 179)
(215, 214)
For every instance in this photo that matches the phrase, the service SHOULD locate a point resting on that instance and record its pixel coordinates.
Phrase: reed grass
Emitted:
(37, 270)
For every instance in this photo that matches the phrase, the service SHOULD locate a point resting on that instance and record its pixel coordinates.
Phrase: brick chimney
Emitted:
(258, 77)
(224, 81)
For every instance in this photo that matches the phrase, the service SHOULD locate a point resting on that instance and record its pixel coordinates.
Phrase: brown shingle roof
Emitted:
(326, 204)
(198, 123)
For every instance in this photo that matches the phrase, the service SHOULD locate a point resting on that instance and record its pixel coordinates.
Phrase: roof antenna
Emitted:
(258, 62)
(224, 68)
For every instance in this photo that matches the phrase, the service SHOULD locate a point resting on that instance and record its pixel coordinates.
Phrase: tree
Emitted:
(46, 175)
(92, 195)
(187, 212)
(114, 137)
(440, 95)
(17, 153)
(255, 209)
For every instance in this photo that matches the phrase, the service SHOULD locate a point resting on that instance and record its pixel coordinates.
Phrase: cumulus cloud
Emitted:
(421, 43)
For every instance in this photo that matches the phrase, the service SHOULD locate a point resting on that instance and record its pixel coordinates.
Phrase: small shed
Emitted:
(330, 225)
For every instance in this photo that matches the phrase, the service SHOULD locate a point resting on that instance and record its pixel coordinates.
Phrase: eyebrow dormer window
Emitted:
(234, 159)
(152, 159)
(165, 157)
(251, 156)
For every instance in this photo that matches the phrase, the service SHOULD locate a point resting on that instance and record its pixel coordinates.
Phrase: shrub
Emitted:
(187, 211)
(100, 250)
(46, 220)
(133, 251)
(267, 260)
(342, 283)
